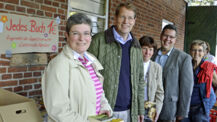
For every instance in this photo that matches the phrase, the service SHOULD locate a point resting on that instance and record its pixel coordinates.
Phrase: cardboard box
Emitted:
(17, 108)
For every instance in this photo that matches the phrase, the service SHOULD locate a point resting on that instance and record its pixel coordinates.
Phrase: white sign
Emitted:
(22, 34)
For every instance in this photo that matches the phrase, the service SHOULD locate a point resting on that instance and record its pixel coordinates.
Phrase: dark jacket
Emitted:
(109, 52)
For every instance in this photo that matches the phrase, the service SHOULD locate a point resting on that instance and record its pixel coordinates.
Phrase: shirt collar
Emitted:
(168, 54)
(77, 55)
(147, 63)
(120, 38)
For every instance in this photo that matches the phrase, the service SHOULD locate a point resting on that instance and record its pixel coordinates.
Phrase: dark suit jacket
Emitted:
(178, 85)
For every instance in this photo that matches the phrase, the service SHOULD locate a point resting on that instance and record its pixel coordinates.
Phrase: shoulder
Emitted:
(155, 65)
(95, 61)
(181, 54)
(60, 59)
(99, 34)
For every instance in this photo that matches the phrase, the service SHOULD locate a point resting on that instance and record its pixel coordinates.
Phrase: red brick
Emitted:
(48, 2)
(20, 9)
(36, 92)
(28, 81)
(48, 14)
(56, 15)
(1, 5)
(63, 17)
(27, 75)
(8, 83)
(63, 28)
(30, 11)
(37, 74)
(36, 68)
(61, 33)
(10, 7)
(6, 76)
(37, 86)
(27, 87)
(39, 12)
(47, 8)
(61, 38)
(4, 11)
(61, 11)
(18, 88)
(3, 55)
(64, 6)
(56, 4)
(19, 75)
(63, 1)
(22, 93)
(60, 44)
(12, 1)
(9, 89)
(30, 4)
(17, 69)
(2, 70)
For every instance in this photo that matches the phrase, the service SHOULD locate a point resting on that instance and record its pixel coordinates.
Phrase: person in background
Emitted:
(203, 97)
(208, 56)
(71, 84)
(153, 89)
(120, 54)
(177, 77)
(211, 58)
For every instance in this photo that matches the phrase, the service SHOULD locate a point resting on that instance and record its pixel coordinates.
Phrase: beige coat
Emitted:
(155, 85)
(68, 90)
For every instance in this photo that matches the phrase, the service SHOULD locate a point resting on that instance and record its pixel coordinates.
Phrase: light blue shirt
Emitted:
(119, 38)
(161, 59)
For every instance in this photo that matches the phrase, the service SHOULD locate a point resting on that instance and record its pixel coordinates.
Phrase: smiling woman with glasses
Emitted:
(203, 96)
(72, 86)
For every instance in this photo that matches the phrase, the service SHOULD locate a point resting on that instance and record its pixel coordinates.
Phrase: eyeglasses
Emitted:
(168, 36)
(129, 18)
(195, 50)
(75, 33)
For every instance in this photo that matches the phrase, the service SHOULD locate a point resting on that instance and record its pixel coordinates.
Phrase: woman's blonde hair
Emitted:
(200, 43)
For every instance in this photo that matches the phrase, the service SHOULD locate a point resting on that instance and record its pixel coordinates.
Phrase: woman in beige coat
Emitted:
(152, 75)
(70, 91)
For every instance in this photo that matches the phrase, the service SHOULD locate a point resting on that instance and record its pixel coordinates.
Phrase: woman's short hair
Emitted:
(75, 19)
(148, 41)
(127, 5)
(200, 43)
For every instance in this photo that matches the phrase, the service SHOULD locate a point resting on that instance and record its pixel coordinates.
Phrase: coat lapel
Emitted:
(150, 77)
(168, 62)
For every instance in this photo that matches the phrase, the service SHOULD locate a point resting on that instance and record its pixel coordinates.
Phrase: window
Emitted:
(96, 10)
(165, 22)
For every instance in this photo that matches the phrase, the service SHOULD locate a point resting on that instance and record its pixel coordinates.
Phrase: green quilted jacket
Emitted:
(109, 52)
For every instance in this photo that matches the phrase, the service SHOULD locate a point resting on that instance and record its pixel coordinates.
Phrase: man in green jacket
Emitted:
(121, 56)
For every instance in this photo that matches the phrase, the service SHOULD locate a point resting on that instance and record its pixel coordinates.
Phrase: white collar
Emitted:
(87, 56)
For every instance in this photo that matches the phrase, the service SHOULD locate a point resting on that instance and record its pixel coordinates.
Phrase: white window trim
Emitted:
(92, 14)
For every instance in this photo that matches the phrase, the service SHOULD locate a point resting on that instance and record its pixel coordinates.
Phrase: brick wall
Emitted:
(26, 80)
(150, 14)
